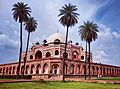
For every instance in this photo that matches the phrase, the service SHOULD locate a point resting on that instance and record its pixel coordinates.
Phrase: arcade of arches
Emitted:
(46, 61)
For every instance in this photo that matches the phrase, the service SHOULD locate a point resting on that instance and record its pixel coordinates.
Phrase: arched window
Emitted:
(72, 69)
(55, 69)
(48, 54)
(38, 55)
(66, 55)
(31, 57)
(56, 41)
(82, 57)
(75, 55)
(56, 52)
(45, 69)
(32, 69)
(38, 69)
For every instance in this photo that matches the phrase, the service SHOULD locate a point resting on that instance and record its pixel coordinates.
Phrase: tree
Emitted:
(30, 26)
(68, 18)
(88, 32)
(20, 13)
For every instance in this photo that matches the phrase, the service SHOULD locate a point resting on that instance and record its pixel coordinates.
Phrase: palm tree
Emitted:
(88, 32)
(30, 26)
(68, 18)
(20, 12)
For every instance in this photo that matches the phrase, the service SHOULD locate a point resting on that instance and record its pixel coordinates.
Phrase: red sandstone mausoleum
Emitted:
(45, 61)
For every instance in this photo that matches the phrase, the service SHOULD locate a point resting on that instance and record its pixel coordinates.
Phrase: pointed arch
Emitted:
(75, 55)
(27, 70)
(32, 71)
(55, 69)
(48, 54)
(45, 68)
(78, 69)
(71, 69)
(13, 70)
(65, 54)
(38, 69)
(38, 55)
(56, 52)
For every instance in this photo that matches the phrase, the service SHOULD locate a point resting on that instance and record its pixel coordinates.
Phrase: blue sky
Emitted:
(105, 13)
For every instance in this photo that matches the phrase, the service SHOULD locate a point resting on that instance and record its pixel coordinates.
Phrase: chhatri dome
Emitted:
(56, 36)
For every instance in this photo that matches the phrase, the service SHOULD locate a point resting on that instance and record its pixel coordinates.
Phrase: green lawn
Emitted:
(58, 85)
(110, 78)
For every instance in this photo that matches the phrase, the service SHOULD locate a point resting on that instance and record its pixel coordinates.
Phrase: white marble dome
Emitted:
(55, 36)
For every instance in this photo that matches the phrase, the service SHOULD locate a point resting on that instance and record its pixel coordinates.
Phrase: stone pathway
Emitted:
(77, 80)
(15, 81)
(97, 81)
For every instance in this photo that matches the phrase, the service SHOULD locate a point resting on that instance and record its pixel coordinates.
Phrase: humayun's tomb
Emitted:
(45, 61)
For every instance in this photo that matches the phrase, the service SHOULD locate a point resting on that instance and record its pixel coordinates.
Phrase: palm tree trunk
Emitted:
(26, 53)
(64, 57)
(89, 60)
(18, 69)
(85, 59)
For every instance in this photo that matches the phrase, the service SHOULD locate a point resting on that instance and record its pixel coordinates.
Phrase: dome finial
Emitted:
(57, 30)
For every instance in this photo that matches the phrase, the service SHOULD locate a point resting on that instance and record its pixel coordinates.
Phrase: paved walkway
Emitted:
(78, 80)
(15, 81)
(97, 81)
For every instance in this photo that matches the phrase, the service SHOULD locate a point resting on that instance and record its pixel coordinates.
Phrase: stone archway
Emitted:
(78, 69)
(66, 68)
(45, 68)
(38, 69)
(27, 70)
(13, 70)
(32, 69)
(10, 69)
(71, 69)
(6, 70)
(55, 69)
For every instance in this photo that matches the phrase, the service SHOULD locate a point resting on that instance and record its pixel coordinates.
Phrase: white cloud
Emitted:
(6, 41)
(100, 56)
(106, 45)
(116, 35)
(105, 33)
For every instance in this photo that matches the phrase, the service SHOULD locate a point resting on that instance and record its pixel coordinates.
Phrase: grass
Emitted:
(109, 78)
(58, 85)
